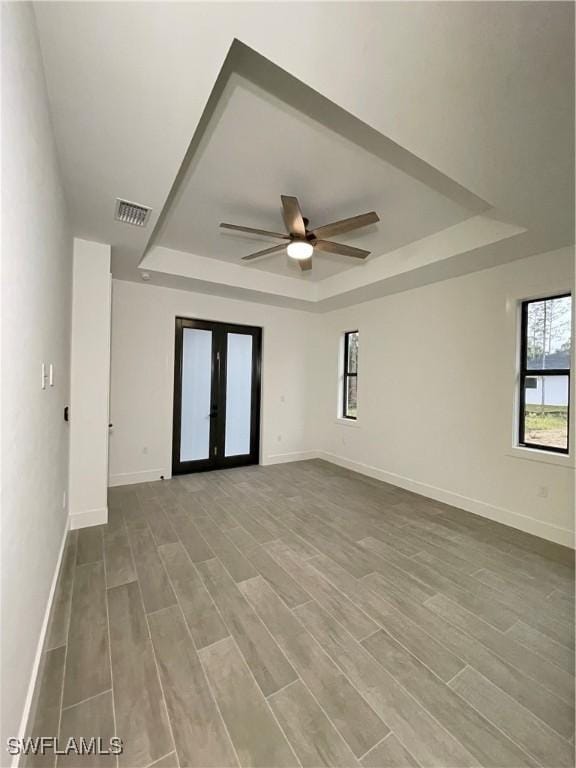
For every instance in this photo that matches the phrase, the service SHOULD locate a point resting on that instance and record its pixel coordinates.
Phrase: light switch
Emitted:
(51, 375)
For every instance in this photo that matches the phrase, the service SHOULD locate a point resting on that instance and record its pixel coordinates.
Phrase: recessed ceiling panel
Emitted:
(256, 147)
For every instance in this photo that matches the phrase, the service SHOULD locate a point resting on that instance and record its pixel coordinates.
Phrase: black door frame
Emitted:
(216, 458)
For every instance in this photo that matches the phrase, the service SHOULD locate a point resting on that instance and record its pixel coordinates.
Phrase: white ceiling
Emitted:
(482, 92)
(258, 147)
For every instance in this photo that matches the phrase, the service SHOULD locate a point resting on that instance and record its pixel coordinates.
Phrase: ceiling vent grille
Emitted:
(132, 213)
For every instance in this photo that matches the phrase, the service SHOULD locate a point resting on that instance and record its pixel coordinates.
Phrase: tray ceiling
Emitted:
(257, 147)
(473, 102)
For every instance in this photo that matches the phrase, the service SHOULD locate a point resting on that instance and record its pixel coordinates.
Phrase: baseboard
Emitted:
(29, 701)
(284, 458)
(132, 478)
(498, 514)
(88, 518)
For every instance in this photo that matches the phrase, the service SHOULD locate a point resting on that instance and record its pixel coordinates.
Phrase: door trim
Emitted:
(217, 459)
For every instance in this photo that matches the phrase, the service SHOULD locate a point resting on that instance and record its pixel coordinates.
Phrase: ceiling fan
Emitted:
(303, 241)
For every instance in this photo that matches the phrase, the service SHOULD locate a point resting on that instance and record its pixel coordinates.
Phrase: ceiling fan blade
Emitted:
(264, 232)
(265, 252)
(305, 264)
(347, 225)
(340, 248)
(293, 216)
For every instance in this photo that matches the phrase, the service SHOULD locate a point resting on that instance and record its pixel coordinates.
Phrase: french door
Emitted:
(216, 395)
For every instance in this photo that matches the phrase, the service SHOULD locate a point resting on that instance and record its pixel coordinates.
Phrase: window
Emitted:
(545, 373)
(350, 376)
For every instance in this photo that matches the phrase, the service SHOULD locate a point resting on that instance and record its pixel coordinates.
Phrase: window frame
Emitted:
(526, 372)
(346, 374)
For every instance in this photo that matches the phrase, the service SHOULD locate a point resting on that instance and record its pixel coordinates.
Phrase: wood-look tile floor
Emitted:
(301, 614)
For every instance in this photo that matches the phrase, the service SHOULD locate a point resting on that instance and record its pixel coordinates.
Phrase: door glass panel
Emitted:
(238, 394)
(196, 385)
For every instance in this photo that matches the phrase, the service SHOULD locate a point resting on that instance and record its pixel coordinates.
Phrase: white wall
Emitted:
(89, 384)
(142, 376)
(437, 373)
(437, 389)
(36, 298)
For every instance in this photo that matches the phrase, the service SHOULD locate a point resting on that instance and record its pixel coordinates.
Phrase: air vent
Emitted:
(132, 213)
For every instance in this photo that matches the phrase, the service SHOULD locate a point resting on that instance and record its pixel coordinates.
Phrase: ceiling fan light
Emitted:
(300, 249)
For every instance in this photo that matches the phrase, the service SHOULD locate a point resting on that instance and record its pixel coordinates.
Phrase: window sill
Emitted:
(347, 422)
(543, 457)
